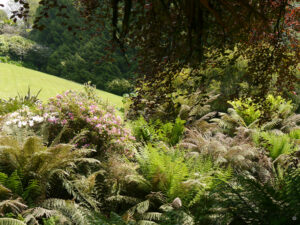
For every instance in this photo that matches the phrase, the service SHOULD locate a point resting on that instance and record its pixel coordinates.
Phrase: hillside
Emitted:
(15, 79)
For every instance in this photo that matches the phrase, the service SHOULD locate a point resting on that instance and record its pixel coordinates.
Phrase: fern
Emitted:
(295, 134)
(32, 191)
(165, 171)
(69, 210)
(238, 152)
(38, 162)
(12, 205)
(14, 183)
(276, 144)
(156, 130)
(250, 201)
(10, 221)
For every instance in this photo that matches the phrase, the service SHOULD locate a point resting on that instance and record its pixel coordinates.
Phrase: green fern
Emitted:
(156, 130)
(249, 201)
(295, 134)
(165, 171)
(275, 144)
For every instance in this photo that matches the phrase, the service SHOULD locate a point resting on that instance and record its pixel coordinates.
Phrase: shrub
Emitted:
(247, 109)
(119, 86)
(75, 111)
(274, 112)
(72, 114)
(15, 46)
(18, 48)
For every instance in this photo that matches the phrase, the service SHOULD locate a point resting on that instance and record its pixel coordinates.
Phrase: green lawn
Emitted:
(15, 79)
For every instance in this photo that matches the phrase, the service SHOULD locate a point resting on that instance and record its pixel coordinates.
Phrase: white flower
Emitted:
(31, 123)
(8, 123)
(14, 114)
(24, 123)
(15, 121)
(20, 124)
(38, 119)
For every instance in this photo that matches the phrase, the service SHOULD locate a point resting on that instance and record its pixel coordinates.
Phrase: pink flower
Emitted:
(59, 96)
(131, 138)
(52, 119)
(114, 130)
(64, 122)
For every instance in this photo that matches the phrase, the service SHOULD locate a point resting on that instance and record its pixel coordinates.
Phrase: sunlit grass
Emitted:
(15, 79)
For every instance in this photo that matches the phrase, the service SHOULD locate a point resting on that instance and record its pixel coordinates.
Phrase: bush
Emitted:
(273, 112)
(119, 86)
(15, 46)
(74, 114)
(18, 48)
(247, 109)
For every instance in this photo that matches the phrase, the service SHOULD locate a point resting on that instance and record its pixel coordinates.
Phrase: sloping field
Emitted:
(15, 79)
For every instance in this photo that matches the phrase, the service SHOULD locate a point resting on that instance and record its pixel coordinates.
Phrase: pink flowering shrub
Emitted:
(77, 113)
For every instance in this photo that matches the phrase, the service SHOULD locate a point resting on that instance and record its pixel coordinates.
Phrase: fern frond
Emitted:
(151, 216)
(4, 192)
(123, 199)
(12, 205)
(146, 222)
(11, 221)
(70, 210)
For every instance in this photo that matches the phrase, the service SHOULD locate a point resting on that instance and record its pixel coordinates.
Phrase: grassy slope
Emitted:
(15, 79)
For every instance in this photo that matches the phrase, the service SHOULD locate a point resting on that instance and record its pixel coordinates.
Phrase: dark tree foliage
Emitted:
(172, 31)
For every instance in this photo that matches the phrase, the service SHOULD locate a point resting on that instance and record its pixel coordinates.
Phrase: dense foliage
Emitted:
(212, 128)
(72, 161)
(82, 56)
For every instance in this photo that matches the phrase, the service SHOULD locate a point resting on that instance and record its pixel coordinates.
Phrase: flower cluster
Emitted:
(102, 128)
(23, 117)
(78, 112)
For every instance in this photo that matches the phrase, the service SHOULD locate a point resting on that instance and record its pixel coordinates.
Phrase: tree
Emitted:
(80, 57)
